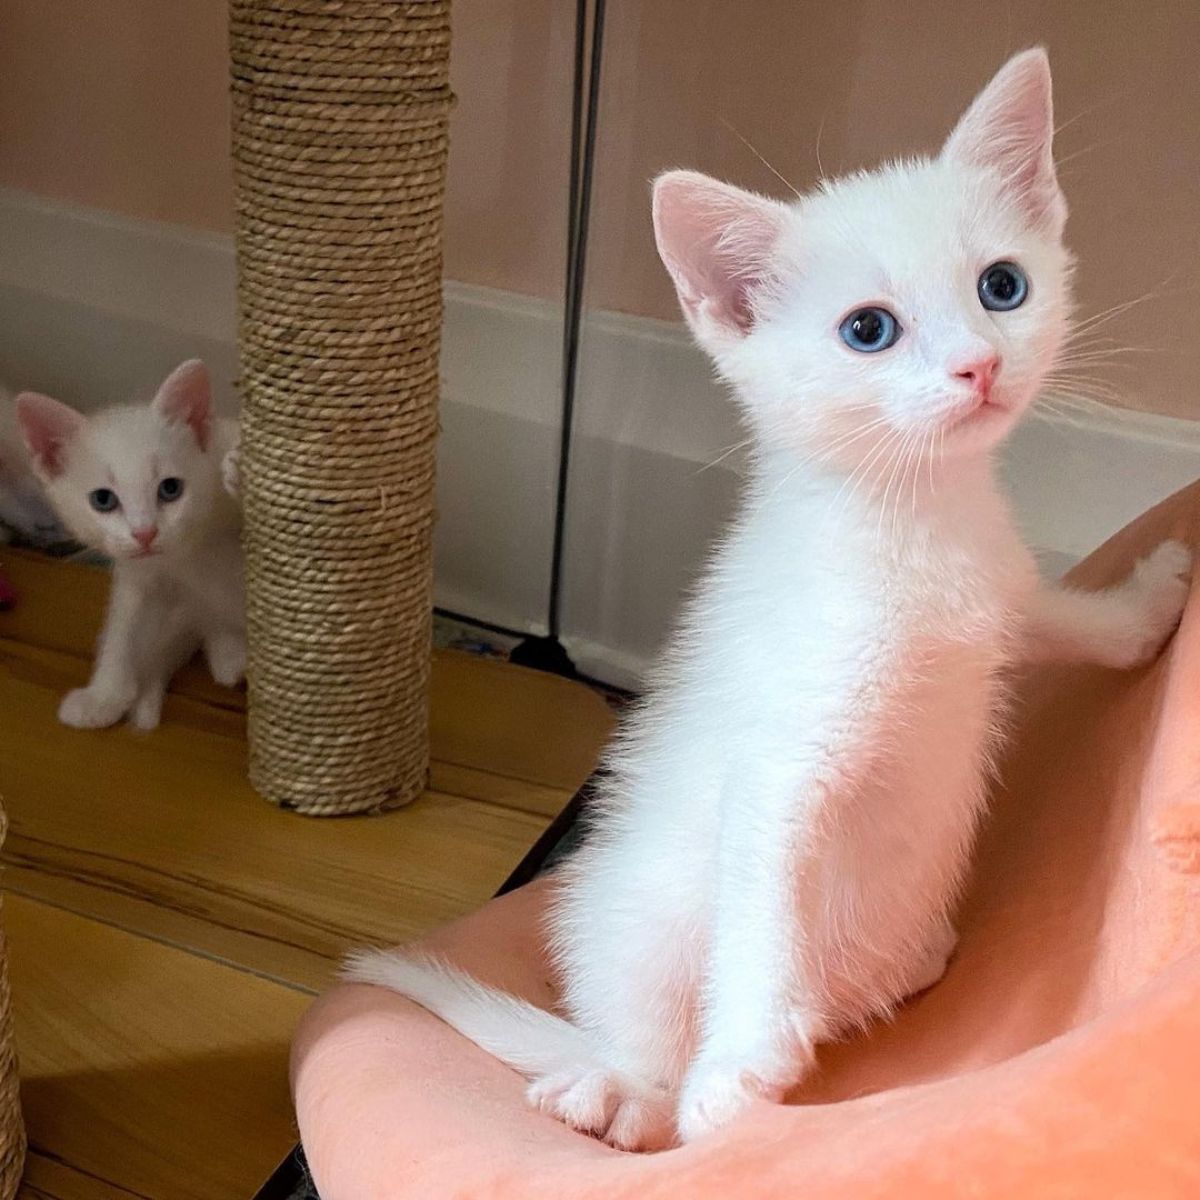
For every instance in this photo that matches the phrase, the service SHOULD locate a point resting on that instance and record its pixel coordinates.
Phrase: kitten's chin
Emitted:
(981, 426)
(133, 553)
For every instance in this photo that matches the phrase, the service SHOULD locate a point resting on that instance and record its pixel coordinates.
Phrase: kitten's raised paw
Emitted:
(85, 708)
(1158, 589)
(605, 1104)
(929, 968)
(231, 472)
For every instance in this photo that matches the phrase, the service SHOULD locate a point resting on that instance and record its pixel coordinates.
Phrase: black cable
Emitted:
(578, 89)
(580, 197)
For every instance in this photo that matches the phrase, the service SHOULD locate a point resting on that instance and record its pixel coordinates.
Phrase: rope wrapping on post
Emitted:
(340, 111)
(12, 1126)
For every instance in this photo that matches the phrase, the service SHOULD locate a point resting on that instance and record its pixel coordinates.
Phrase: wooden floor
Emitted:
(167, 927)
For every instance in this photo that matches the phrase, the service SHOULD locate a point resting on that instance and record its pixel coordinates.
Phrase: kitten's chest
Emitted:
(959, 584)
(212, 586)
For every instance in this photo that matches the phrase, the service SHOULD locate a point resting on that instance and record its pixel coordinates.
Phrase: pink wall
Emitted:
(881, 78)
(122, 105)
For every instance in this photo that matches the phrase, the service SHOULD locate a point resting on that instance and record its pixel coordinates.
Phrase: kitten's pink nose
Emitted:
(978, 370)
(145, 537)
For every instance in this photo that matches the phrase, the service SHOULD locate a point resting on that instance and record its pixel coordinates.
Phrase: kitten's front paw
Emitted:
(928, 969)
(607, 1105)
(85, 708)
(716, 1093)
(719, 1088)
(1158, 590)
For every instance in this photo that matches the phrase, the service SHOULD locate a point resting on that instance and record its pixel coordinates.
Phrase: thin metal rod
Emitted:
(583, 153)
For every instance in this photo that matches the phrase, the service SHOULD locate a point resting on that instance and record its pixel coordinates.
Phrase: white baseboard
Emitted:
(96, 307)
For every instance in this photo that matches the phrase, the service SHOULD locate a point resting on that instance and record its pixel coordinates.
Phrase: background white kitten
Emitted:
(25, 512)
(143, 485)
(785, 824)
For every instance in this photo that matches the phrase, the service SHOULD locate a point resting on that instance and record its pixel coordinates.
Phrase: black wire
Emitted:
(583, 155)
(490, 626)
(577, 95)
(518, 635)
(535, 859)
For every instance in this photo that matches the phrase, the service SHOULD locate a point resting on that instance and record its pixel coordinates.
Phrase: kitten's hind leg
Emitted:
(176, 643)
(632, 985)
(147, 708)
(605, 1103)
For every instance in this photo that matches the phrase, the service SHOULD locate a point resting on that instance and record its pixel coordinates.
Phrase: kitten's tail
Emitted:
(527, 1038)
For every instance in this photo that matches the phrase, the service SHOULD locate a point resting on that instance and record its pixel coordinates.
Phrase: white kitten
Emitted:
(786, 822)
(143, 485)
(24, 510)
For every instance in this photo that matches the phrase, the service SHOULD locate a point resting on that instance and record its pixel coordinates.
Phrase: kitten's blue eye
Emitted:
(869, 330)
(1003, 287)
(104, 500)
(170, 489)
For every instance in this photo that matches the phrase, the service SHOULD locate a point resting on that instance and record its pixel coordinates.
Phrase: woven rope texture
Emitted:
(339, 143)
(12, 1128)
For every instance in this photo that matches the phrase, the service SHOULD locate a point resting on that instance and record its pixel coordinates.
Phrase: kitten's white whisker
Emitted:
(1085, 150)
(742, 445)
(754, 150)
(855, 478)
(1107, 102)
(927, 454)
(901, 455)
(827, 451)
(1104, 316)
(911, 470)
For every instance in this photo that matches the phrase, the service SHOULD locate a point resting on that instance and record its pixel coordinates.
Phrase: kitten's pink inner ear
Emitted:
(186, 395)
(716, 241)
(47, 426)
(1009, 129)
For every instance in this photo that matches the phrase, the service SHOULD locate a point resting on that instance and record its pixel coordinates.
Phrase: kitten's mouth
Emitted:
(982, 409)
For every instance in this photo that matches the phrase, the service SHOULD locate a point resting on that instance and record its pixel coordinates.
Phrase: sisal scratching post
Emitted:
(339, 147)
(12, 1128)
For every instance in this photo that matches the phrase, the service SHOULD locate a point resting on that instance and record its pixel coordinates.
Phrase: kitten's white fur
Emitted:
(24, 509)
(788, 817)
(182, 591)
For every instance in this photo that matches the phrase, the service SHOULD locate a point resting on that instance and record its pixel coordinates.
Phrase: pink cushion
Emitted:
(1060, 1056)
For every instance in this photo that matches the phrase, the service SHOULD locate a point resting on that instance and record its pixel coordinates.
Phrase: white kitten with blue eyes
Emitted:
(24, 510)
(787, 819)
(143, 485)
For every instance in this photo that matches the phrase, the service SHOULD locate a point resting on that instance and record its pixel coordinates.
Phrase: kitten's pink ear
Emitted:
(47, 426)
(1010, 129)
(186, 395)
(716, 241)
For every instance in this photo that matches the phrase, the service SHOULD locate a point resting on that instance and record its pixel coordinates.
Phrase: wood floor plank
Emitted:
(146, 1072)
(49, 1178)
(162, 834)
(487, 717)
(166, 922)
(59, 603)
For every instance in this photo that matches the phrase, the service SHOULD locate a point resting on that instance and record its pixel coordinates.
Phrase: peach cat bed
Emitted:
(1059, 1057)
